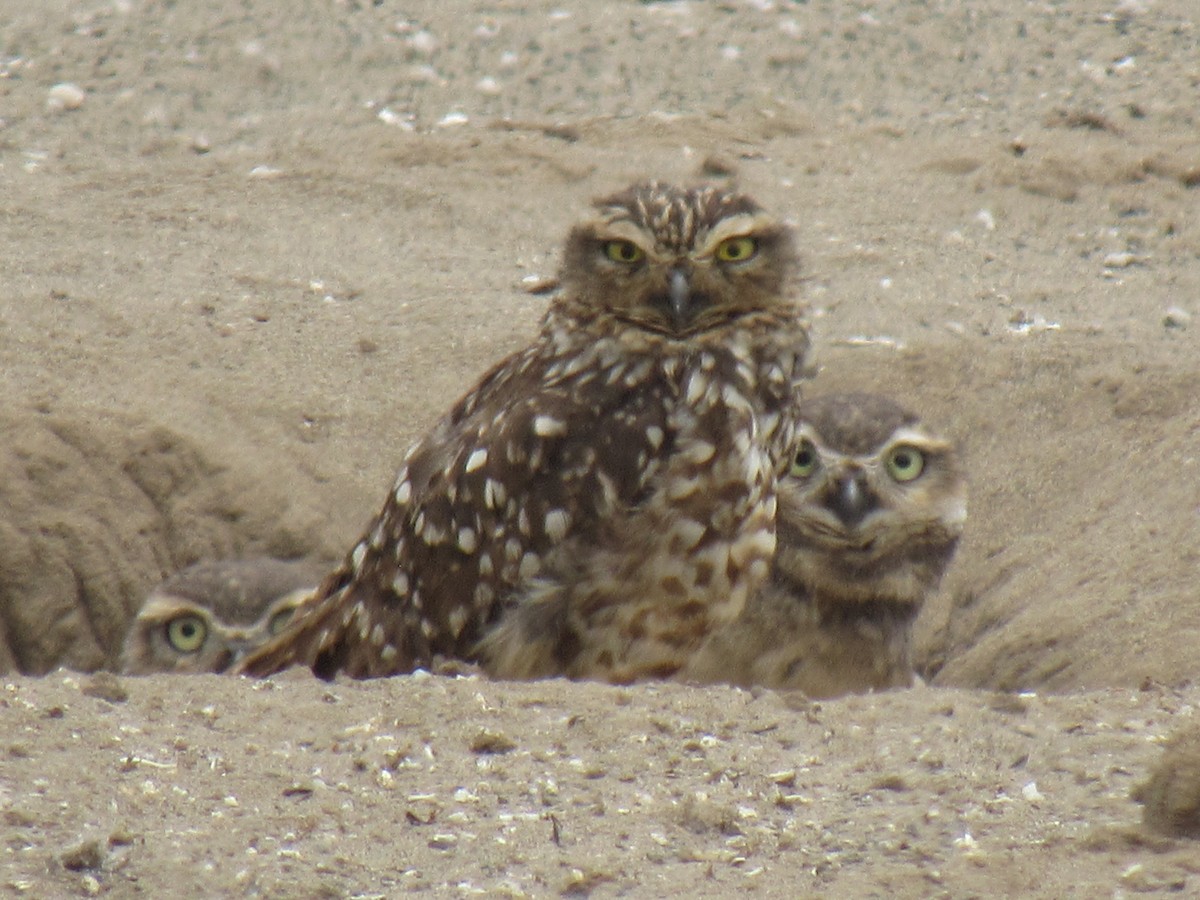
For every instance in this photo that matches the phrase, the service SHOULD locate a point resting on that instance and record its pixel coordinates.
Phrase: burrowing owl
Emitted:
(870, 514)
(207, 616)
(1171, 794)
(606, 496)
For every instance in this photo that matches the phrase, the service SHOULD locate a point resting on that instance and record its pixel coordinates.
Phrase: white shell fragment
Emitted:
(65, 97)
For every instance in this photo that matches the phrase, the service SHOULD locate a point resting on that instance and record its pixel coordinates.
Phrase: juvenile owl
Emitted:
(870, 513)
(207, 616)
(605, 497)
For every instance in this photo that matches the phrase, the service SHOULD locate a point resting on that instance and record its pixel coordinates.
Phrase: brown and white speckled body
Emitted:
(604, 498)
(859, 552)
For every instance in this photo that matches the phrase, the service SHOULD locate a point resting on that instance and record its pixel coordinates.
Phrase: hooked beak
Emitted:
(680, 295)
(682, 302)
(237, 648)
(851, 501)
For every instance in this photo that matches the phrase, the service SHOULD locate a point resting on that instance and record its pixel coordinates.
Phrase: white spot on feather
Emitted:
(476, 460)
(531, 564)
(457, 620)
(494, 494)
(690, 532)
(468, 541)
(548, 426)
(403, 492)
(484, 596)
(699, 452)
(557, 522)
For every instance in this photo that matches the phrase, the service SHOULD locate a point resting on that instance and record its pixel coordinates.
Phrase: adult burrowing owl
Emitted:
(605, 497)
(869, 518)
(207, 616)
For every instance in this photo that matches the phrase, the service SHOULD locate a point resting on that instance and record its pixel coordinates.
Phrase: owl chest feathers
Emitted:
(686, 495)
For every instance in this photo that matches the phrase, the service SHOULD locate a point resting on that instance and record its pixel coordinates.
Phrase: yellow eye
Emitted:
(806, 461)
(905, 463)
(623, 251)
(737, 249)
(280, 620)
(187, 633)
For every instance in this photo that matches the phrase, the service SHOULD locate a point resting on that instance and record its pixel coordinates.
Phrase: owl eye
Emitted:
(805, 462)
(187, 633)
(280, 620)
(737, 249)
(623, 251)
(905, 463)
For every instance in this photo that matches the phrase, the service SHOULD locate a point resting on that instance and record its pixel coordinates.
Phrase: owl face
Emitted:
(206, 618)
(872, 505)
(678, 261)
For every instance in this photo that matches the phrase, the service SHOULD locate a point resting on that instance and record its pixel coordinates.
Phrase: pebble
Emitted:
(423, 43)
(1120, 260)
(389, 117)
(65, 97)
(1176, 317)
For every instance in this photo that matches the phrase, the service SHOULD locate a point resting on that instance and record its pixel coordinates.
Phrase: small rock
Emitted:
(492, 742)
(423, 43)
(1176, 317)
(105, 686)
(488, 85)
(1120, 260)
(65, 97)
(87, 856)
(717, 165)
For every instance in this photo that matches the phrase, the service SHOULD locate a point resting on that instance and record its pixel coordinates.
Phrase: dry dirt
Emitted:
(261, 244)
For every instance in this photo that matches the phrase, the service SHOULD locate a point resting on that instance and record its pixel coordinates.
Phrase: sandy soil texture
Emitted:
(250, 250)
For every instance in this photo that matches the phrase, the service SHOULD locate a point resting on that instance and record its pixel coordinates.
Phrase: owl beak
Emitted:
(233, 653)
(851, 500)
(683, 302)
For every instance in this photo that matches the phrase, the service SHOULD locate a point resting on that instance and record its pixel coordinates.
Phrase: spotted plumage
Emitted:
(208, 616)
(605, 497)
(870, 514)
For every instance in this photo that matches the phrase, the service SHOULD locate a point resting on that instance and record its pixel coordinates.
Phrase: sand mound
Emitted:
(97, 507)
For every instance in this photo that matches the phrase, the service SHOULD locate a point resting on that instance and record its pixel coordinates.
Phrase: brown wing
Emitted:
(541, 453)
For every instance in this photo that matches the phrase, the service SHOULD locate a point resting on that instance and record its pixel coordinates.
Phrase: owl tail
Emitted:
(315, 637)
(343, 630)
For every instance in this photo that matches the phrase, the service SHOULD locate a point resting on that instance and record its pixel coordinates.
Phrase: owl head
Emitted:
(678, 261)
(206, 617)
(871, 505)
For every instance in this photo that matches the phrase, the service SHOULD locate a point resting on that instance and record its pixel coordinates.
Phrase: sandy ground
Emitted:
(260, 245)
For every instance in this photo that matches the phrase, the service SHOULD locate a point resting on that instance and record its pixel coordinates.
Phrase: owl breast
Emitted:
(685, 482)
